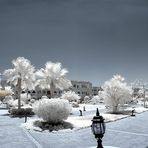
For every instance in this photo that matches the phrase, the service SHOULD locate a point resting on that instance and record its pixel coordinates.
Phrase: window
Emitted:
(84, 86)
(33, 92)
(39, 92)
(48, 92)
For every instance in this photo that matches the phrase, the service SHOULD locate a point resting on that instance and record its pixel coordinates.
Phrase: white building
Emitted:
(95, 90)
(82, 88)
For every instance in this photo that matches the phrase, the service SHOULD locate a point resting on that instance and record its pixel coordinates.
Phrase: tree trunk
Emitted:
(115, 109)
(52, 89)
(19, 93)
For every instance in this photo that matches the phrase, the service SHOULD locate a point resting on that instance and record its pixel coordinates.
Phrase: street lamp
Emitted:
(98, 128)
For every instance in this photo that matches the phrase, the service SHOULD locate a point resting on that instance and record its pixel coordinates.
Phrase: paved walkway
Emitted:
(11, 134)
(130, 132)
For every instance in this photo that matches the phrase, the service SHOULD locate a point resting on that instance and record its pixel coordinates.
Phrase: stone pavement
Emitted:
(130, 132)
(11, 134)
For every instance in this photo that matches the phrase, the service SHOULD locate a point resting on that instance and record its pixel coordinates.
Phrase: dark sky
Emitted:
(93, 39)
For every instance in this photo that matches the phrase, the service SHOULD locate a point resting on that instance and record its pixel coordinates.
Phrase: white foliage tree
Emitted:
(53, 76)
(86, 99)
(115, 92)
(71, 96)
(95, 100)
(52, 110)
(7, 99)
(8, 89)
(21, 76)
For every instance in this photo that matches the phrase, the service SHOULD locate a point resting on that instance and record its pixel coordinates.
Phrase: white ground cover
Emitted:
(117, 133)
(85, 120)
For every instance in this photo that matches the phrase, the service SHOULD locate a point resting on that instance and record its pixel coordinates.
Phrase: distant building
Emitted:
(82, 88)
(38, 93)
(95, 90)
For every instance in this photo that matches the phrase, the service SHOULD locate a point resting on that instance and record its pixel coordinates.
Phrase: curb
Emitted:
(32, 138)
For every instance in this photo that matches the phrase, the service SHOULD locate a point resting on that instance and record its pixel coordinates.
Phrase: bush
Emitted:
(25, 97)
(95, 100)
(21, 112)
(86, 99)
(14, 103)
(71, 96)
(75, 104)
(7, 99)
(52, 110)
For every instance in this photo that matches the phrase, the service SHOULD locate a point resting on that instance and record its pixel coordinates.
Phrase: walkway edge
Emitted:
(32, 138)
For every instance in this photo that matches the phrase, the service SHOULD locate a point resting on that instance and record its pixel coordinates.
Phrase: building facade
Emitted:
(82, 88)
(95, 90)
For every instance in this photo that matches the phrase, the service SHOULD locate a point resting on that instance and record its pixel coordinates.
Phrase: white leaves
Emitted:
(53, 73)
(70, 96)
(8, 89)
(116, 91)
(22, 69)
(52, 110)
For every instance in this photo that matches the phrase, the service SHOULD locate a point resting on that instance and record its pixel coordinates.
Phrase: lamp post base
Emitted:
(99, 143)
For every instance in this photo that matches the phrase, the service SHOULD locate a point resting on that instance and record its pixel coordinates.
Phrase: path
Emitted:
(130, 132)
(11, 134)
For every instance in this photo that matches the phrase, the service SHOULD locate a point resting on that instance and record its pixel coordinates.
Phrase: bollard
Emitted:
(133, 112)
(25, 119)
(80, 112)
(84, 108)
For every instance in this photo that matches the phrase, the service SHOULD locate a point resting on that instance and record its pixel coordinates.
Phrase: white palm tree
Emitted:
(21, 76)
(53, 76)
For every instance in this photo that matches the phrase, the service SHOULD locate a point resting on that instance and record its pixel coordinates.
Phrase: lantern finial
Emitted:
(97, 112)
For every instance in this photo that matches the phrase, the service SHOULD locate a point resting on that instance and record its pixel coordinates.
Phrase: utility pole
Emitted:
(144, 94)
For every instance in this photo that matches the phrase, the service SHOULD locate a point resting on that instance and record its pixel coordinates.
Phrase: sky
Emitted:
(93, 39)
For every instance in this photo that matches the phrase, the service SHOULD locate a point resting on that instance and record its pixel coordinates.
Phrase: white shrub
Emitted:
(14, 103)
(71, 96)
(74, 104)
(86, 99)
(10, 102)
(25, 97)
(52, 110)
(44, 97)
(32, 101)
(95, 100)
(9, 90)
(7, 99)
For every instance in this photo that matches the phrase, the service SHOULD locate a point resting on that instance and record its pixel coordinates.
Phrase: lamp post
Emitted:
(98, 128)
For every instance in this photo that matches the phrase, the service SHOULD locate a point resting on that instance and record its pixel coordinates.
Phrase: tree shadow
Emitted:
(53, 126)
